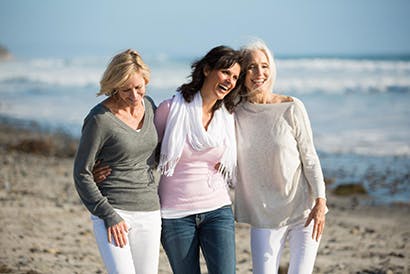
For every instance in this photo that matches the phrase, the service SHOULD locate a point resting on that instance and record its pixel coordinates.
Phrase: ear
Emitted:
(206, 70)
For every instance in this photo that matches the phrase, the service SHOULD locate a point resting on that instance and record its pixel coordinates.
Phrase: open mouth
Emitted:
(224, 88)
(258, 81)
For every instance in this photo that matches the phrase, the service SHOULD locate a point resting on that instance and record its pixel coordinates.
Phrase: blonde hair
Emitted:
(247, 51)
(120, 69)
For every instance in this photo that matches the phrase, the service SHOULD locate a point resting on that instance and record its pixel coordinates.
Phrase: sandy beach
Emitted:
(45, 228)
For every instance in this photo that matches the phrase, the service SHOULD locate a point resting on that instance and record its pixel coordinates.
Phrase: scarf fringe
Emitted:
(184, 122)
(227, 173)
(167, 166)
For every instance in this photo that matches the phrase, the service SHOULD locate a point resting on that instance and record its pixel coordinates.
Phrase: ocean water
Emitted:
(358, 107)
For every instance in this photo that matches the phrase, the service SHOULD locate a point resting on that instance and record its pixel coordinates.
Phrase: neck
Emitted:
(270, 98)
(207, 103)
(264, 97)
(259, 97)
(120, 106)
(133, 110)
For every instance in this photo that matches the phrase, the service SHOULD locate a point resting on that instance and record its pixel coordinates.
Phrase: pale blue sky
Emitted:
(69, 28)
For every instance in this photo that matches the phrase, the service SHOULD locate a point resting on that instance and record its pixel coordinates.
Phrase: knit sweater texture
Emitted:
(130, 155)
(279, 173)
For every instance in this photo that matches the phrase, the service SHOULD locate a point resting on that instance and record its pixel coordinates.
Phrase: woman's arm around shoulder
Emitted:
(161, 116)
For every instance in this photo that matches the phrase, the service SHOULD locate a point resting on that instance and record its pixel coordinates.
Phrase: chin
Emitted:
(222, 95)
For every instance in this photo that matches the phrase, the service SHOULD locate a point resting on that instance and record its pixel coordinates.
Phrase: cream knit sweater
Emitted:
(279, 173)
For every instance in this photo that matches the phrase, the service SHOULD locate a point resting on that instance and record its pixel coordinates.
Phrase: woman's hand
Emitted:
(118, 233)
(100, 173)
(318, 216)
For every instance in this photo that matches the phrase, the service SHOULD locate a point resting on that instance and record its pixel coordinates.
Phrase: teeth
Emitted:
(258, 81)
(223, 87)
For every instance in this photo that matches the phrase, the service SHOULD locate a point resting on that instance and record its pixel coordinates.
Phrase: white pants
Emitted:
(141, 254)
(267, 246)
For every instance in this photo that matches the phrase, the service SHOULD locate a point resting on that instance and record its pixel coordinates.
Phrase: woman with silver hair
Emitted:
(280, 189)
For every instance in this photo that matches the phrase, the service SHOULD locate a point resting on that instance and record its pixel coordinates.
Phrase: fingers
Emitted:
(104, 170)
(318, 216)
(309, 219)
(126, 229)
(318, 230)
(101, 169)
(109, 236)
(119, 237)
(101, 173)
(318, 223)
(315, 232)
(318, 227)
(118, 233)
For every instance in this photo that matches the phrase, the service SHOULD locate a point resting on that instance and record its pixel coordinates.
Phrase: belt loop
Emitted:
(198, 219)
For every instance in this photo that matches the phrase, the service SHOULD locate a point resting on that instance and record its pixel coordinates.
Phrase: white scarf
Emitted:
(185, 123)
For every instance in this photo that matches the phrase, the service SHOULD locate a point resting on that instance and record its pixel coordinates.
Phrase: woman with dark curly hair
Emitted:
(198, 158)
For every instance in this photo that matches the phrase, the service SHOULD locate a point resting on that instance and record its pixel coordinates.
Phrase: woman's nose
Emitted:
(258, 70)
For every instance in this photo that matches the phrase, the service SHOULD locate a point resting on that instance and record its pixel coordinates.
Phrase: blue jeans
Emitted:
(213, 232)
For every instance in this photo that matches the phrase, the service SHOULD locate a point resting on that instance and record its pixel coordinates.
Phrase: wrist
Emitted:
(320, 201)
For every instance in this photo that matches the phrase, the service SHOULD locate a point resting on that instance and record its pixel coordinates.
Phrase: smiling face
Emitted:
(258, 72)
(219, 82)
(133, 91)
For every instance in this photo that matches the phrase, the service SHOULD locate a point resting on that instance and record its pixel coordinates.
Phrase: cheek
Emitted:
(248, 81)
(216, 79)
(123, 95)
(220, 77)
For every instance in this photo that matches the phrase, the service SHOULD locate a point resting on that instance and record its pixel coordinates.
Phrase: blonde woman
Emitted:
(280, 190)
(119, 132)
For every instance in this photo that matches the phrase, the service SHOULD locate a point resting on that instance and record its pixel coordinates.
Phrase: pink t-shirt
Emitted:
(195, 185)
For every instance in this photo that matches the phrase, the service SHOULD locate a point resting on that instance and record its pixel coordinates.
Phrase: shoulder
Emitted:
(299, 110)
(99, 116)
(98, 112)
(286, 98)
(150, 102)
(162, 112)
(165, 105)
(97, 109)
(296, 100)
(298, 104)
(149, 106)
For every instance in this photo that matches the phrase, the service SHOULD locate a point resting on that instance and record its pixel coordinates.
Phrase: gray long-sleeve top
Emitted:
(130, 155)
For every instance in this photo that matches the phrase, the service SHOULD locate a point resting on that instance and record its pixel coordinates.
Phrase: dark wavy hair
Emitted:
(220, 57)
